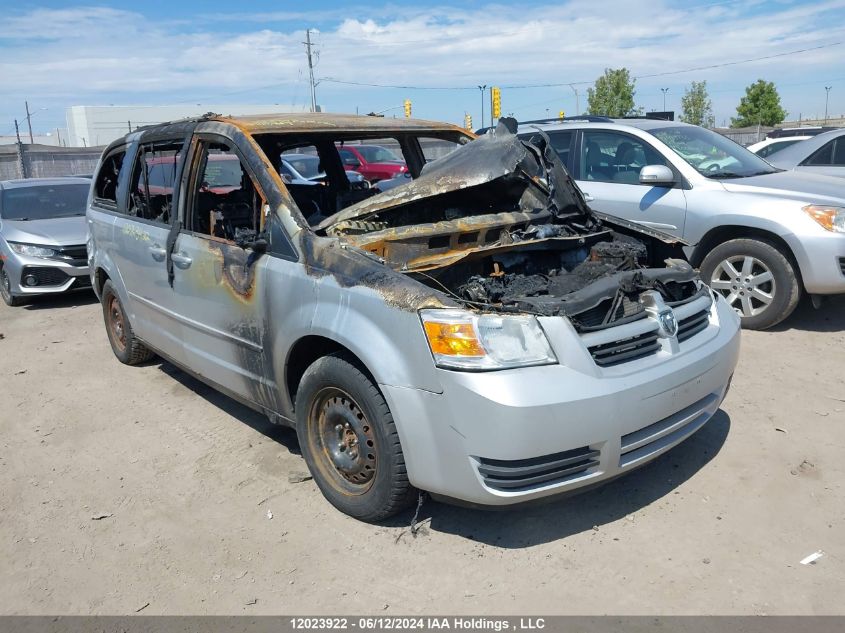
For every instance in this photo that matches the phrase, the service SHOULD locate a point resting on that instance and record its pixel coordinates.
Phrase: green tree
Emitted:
(759, 106)
(613, 94)
(696, 105)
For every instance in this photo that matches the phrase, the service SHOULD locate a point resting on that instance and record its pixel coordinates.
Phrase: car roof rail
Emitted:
(581, 117)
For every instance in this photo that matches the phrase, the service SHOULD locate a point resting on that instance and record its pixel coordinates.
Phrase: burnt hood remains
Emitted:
(499, 225)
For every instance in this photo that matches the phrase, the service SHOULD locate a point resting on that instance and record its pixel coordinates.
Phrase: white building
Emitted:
(99, 125)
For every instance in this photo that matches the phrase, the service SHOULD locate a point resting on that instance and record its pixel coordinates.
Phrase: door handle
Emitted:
(158, 253)
(181, 260)
(588, 197)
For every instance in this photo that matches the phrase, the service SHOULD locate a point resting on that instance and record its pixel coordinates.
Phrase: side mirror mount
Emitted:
(256, 242)
(657, 176)
(259, 245)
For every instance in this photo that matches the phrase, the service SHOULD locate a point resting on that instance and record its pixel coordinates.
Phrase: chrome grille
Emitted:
(692, 325)
(625, 350)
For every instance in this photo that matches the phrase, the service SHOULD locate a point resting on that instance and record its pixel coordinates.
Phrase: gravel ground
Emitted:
(140, 489)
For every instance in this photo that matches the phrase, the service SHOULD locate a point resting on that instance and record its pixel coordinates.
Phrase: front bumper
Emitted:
(51, 276)
(821, 259)
(505, 437)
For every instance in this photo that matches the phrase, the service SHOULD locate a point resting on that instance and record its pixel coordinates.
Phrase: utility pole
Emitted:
(577, 101)
(307, 43)
(826, 99)
(482, 89)
(664, 91)
(29, 122)
(19, 148)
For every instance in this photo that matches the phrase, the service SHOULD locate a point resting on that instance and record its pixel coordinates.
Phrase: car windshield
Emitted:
(307, 166)
(712, 154)
(44, 202)
(376, 154)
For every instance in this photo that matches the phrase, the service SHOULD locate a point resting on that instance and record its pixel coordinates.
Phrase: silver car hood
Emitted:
(53, 232)
(790, 184)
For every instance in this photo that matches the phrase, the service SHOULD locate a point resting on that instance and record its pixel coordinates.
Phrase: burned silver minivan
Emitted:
(478, 333)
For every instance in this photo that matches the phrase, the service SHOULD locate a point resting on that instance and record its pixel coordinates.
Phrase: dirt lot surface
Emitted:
(140, 489)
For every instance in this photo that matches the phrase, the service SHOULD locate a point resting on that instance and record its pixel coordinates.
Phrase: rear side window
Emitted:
(830, 154)
(773, 148)
(154, 180)
(105, 186)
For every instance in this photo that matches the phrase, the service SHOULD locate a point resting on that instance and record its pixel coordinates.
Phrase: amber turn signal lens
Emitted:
(453, 339)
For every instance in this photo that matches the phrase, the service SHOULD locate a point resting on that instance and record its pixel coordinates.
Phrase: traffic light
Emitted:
(468, 122)
(407, 108)
(496, 98)
(560, 114)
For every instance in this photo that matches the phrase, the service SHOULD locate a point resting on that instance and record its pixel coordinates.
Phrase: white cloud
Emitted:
(96, 54)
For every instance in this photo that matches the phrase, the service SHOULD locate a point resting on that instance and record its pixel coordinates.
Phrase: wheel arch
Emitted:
(100, 279)
(307, 350)
(721, 234)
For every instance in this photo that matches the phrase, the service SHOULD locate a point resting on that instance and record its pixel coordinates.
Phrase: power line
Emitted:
(360, 83)
(579, 83)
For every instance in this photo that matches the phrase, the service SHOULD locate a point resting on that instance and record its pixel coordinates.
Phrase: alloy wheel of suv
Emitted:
(756, 279)
(746, 283)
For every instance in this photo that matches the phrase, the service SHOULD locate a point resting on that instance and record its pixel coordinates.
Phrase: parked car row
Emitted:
(487, 328)
(760, 235)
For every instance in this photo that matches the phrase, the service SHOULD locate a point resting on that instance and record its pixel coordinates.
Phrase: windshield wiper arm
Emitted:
(725, 174)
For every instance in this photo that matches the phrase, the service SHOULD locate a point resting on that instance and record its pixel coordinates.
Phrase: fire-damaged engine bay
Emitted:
(499, 225)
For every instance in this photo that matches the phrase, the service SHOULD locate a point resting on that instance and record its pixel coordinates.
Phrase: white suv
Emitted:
(760, 235)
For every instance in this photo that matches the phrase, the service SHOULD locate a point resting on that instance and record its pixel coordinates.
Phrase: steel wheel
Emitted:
(116, 323)
(746, 282)
(345, 440)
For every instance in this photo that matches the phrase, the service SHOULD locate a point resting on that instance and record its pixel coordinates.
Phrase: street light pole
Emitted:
(482, 89)
(826, 100)
(29, 122)
(664, 91)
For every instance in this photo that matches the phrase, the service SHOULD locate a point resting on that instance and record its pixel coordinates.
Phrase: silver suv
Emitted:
(760, 235)
(477, 333)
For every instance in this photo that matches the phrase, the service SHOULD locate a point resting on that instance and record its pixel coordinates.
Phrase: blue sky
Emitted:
(57, 54)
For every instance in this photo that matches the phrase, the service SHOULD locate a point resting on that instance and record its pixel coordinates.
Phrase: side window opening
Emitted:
(154, 180)
(613, 157)
(105, 187)
(226, 203)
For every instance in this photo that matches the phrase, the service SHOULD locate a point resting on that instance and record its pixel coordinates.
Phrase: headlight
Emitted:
(463, 340)
(831, 218)
(32, 250)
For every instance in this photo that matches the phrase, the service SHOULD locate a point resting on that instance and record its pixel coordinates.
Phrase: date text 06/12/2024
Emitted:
(418, 623)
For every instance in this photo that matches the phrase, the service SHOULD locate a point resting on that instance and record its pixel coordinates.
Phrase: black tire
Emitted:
(126, 347)
(782, 292)
(6, 291)
(349, 440)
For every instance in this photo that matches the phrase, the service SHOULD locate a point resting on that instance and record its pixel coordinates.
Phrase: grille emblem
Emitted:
(667, 324)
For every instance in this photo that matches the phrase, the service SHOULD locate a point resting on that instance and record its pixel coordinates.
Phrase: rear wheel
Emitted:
(128, 349)
(349, 440)
(756, 279)
(6, 290)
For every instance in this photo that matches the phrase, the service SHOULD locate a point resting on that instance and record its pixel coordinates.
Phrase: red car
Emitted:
(373, 162)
